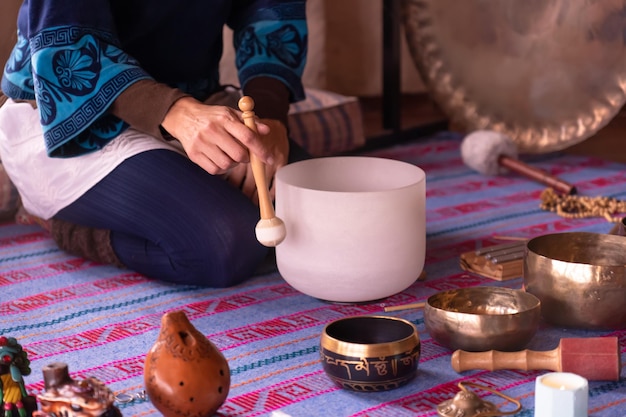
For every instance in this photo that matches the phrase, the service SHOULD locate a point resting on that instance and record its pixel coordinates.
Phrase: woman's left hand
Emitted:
(277, 143)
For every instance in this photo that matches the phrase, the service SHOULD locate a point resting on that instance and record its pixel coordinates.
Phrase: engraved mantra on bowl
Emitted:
(381, 365)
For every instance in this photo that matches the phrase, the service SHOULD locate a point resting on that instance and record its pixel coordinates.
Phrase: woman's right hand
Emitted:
(214, 137)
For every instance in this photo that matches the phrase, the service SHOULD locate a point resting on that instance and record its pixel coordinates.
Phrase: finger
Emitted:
(269, 177)
(236, 175)
(255, 197)
(208, 166)
(272, 189)
(251, 140)
(262, 128)
(215, 163)
(231, 144)
(248, 187)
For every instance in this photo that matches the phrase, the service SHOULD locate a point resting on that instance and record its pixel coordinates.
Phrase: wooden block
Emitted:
(480, 265)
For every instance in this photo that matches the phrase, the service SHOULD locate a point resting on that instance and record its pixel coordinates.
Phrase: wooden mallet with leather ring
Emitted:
(270, 230)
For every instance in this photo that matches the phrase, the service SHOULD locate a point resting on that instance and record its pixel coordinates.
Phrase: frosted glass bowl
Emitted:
(356, 227)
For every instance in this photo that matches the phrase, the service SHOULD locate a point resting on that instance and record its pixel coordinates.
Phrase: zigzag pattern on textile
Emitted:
(102, 320)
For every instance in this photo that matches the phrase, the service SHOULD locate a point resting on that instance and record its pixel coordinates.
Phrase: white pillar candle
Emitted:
(561, 394)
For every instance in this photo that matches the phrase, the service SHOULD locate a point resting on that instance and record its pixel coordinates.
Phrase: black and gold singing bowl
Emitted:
(580, 278)
(482, 318)
(370, 353)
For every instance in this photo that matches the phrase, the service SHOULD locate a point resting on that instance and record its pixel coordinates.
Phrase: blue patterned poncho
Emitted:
(75, 57)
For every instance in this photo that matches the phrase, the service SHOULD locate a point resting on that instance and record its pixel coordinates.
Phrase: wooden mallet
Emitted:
(594, 358)
(492, 153)
(270, 230)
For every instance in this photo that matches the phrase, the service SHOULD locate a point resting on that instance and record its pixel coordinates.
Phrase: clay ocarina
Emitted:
(185, 373)
(64, 396)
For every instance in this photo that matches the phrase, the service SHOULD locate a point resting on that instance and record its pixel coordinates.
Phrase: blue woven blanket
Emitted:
(102, 321)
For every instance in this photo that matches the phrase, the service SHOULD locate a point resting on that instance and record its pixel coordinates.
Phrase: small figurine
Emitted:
(14, 365)
(64, 396)
(185, 374)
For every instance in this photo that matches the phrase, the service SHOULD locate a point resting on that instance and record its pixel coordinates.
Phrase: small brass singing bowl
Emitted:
(370, 353)
(580, 278)
(485, 318)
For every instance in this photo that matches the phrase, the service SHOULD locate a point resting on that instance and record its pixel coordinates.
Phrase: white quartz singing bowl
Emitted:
(357, 227)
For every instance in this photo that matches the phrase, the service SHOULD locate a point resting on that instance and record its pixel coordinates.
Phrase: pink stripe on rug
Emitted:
(89, 289)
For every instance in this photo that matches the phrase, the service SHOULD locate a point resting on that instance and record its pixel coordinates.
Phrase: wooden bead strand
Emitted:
(578, 207)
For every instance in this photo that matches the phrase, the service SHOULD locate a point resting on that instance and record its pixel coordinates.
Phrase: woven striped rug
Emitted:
(102, 321)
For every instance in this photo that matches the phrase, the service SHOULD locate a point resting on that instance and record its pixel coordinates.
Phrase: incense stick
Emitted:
(405, 307)
(500, 237)
(494, 248)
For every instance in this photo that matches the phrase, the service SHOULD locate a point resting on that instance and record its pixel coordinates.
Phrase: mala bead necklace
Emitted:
(578, 207)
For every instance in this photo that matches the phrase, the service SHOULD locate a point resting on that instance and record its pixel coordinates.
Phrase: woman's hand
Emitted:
(215, 137)
(277, 143)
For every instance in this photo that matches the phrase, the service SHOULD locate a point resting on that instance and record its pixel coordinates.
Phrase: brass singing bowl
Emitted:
(482, 318)
(580, 278)
(370, 353)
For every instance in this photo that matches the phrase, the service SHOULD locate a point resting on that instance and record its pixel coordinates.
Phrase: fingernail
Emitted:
(270, 160)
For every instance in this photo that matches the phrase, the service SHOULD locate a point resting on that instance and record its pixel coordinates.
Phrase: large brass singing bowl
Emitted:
(548, 73)
(579, 277)
(482, 318)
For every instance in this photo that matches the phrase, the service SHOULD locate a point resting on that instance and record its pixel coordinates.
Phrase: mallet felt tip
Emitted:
(270, 230)
(594, 358)
(489, 152)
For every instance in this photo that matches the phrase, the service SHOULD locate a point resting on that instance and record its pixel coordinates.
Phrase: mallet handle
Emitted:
(536, 174)
(492, 360)
(246, 105)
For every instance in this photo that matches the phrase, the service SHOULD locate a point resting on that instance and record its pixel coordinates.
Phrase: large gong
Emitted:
(549, 73)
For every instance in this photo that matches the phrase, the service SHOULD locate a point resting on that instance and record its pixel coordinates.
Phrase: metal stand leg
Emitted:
(391, 65)
(392, 95)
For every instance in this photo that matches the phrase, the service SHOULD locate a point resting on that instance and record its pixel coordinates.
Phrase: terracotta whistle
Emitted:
(185, 374)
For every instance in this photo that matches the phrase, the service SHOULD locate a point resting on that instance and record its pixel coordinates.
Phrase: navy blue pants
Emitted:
(171, 220)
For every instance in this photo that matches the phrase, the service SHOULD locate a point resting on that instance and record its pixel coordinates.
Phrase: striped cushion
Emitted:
(326, 123)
